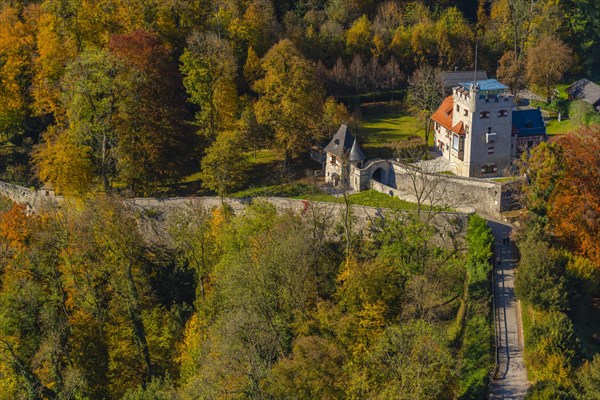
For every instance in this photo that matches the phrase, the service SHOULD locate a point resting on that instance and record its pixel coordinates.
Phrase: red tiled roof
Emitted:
(458, 128)
(443, 115)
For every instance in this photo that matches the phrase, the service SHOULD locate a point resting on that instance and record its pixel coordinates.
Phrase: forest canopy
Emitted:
(139, 91)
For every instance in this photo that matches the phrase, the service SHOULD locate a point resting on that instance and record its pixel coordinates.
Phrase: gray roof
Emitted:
(528, 122)
(586, 90)
(452, 79)
(342, 144)
(356, 153)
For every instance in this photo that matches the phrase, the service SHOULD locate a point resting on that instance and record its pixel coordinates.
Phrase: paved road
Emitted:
(510, 381)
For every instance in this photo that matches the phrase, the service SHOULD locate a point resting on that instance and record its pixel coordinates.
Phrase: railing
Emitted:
(497, 343)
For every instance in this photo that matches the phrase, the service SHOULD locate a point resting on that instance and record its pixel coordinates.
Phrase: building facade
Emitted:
(473, 128)
(344, 159)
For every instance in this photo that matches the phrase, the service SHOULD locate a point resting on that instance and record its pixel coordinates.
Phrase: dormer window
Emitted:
(484, 114)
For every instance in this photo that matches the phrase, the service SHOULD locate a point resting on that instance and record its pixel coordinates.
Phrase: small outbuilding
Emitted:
(585, 90)
(343, 156)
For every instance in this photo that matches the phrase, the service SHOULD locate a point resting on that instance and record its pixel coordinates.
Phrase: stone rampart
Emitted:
(429, 188)
(29, 197)
(154, 212)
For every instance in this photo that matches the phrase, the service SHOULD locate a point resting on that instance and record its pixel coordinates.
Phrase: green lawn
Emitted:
(305, 191)
(553, 127)
(264, 156)
(379, 132)
(368, 198)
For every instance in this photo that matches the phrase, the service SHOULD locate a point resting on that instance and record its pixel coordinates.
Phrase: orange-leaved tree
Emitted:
(574, 206)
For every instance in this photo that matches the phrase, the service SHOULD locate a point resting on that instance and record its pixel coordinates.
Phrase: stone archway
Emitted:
(379, 175)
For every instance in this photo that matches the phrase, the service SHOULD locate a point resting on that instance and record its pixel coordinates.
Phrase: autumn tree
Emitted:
(65, 163)
(511, 72)
(54, 52)
(252, 68)
(260, 25)
(313, 370)
(358, 37)
(16, 42)
(290, 99)
(334, 115)
(541, 278)
(454, 39)
(209, 69)
(574, 206)
(425, 94)
(155, 142)
(547, 62)
(252, 134)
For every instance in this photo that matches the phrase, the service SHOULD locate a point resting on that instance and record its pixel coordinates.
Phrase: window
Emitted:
(455, 142)
(489, 169)
(503, 113)
(466, 129)
(491, 150)
(457, 107)
(484, 114)
(466, 113)
(333, 159)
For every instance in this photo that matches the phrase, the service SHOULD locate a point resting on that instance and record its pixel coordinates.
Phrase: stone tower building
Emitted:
(473, 128)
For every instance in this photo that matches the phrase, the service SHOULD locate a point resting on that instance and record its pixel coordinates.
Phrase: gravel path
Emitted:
(510, 380)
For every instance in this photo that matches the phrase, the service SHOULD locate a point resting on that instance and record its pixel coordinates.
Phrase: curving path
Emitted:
(510, 380)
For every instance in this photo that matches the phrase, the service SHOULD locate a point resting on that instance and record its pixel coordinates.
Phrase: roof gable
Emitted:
(584, 89)
(342, 144)
(443, 115)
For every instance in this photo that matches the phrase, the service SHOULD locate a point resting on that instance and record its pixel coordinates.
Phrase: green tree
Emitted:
(313, 370)
(92, 93)
(541, 277)
(209, 69)
(409, 362)
(583, 113)
(224, 167)
(588, 378)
